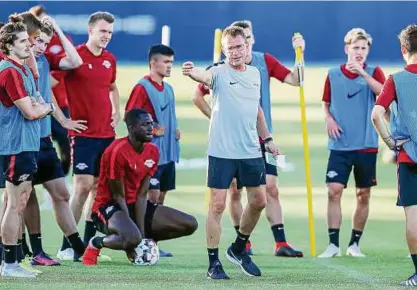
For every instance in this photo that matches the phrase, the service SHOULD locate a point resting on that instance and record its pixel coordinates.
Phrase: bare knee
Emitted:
(218, 201)
(257, 199)
(190, 225)
(235, 195)
(59, 193)
(335, 192)
(83, 186)
(272, 191)
(131, 241)
(363, 195)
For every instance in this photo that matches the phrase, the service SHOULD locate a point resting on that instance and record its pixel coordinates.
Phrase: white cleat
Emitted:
(10, 271)
(355, 251)
(66, 255)
(104, 258)
(331, 251)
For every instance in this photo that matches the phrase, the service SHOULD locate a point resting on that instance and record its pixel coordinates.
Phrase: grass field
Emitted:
(383, 240)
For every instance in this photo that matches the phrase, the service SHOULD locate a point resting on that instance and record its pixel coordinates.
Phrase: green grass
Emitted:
(383, 240)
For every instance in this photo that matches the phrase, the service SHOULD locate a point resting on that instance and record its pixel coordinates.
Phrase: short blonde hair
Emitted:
(357, 34)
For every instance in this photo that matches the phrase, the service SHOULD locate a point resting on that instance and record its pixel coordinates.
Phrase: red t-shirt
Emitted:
(378, 75)
(139, 98)
(12, 87)
(275, 70)
(121, 161)
(88, 92)
(389, 95)
(55, 48)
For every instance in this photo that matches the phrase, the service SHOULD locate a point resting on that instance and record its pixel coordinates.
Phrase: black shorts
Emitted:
(86, 154)
(164, 178)
(49, 165)
(59, 133)
(407, 184)
(248, 172)
(102, 217)
(340, 165)
(20, 167)
(2, 176)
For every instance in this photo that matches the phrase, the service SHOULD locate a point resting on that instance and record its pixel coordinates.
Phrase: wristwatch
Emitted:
(52, 105)
(269, 139)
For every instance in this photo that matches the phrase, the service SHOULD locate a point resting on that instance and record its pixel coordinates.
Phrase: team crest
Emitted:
(107, 64)
(149, 163)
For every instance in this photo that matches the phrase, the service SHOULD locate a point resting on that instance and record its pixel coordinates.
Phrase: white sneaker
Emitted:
(66, 255)
(355, 251)
(104, 258)
(331, 251)
(15, 271)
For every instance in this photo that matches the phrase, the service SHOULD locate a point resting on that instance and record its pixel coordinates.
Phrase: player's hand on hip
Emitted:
(272, 148)
(333, 129)
(298, 41)
(115, 118)
(177, 134)
(393, 144)
(75, 125)
(159, 130)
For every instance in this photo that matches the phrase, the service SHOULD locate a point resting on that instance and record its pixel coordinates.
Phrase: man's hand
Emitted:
(333, 129)
(355, 67)
(77, 126)
(177, 134)
(394, 144)
(115, 117)
(159, 130)
(272, 148)
(298, 41)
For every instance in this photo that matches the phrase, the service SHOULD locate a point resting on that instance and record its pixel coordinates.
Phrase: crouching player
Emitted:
(121, 210)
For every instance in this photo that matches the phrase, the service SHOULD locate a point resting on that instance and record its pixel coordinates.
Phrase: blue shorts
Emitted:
(340, 165)
(164, 178)
(86, 154)
(59, 133)
(407, 184)
(248, 172)
(49, 165)
(20, 167)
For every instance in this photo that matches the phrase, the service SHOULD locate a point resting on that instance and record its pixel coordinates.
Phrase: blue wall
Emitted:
(323, 25)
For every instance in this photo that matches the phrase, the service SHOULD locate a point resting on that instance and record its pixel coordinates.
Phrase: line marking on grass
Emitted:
(351, 273)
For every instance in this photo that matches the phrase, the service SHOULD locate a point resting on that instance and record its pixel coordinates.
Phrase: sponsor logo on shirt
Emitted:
(351, 95)
(149, 163)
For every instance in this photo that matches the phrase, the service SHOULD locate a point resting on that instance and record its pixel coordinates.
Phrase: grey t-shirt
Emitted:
(235, 100)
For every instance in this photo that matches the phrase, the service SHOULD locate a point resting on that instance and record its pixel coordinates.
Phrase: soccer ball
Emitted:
(147, 253)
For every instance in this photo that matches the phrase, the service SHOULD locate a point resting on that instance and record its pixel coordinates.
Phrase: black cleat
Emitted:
(411, 281)
(283, 249)
(216, 272)
(164, 254)
(243, 261)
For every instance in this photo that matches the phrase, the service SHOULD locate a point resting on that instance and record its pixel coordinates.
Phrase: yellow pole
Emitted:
(300, 64)
(217, 54)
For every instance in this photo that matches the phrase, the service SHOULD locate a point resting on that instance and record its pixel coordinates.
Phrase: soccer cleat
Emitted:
(244, 261)
(249, 248)
(66, 255)
(43, 259)
(411, 281)
(91, 254)
(331, 251)
(355, 251)
(25, 264)
(164, 254)
(216, 272)
(283, 249)
(15, 270)
(104, 258)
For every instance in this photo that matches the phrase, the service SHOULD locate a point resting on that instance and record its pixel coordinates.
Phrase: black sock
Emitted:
(77, 244)
(279, 233)
(213, 255)
(237, 228)
(19, 251)
(10, 254)
(36, 243)
(1, 251)
(240, 243)
(355, 237)
(414, 258)
(26, 250)
(334, 236)
(65, 244)
(98, 242)
(89, 232)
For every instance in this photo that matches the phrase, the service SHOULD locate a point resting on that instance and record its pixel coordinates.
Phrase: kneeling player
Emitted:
(121, 210)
